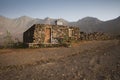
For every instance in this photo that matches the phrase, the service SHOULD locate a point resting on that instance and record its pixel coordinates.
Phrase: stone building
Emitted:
(50, 34)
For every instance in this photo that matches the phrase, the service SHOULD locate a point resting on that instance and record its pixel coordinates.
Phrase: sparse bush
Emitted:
(19, 45)
(8, 41)
(1, 47)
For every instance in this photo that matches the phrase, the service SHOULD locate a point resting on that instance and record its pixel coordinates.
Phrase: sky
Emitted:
(71, 10)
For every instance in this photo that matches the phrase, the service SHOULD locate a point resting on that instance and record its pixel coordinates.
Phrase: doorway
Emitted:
(47, 35)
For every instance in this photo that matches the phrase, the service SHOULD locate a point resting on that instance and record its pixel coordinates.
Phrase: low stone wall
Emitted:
(94, 36)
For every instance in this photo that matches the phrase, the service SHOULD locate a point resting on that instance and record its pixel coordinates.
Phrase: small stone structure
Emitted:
(58, 22)
(40, 34)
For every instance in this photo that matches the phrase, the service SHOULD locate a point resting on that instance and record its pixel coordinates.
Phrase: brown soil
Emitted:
(92, 60)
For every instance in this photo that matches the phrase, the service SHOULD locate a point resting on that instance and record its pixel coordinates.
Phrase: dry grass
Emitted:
(93, 60)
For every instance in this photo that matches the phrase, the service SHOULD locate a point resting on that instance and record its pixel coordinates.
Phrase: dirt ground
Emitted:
(91, 60)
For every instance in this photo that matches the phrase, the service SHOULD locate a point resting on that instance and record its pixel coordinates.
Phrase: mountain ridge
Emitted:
(88, 24)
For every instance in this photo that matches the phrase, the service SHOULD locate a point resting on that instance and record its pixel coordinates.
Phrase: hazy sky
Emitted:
(71, 10)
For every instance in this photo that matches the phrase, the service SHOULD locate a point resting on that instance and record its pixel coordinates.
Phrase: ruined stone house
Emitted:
(50, 34)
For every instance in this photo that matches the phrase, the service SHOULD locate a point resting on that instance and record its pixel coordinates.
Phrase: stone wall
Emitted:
(95, 36)
(28, 36)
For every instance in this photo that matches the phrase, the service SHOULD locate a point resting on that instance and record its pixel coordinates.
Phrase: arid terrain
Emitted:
(90, 60)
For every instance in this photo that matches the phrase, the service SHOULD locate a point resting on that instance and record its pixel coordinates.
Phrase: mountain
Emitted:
(111, 26)
(88, 24)
(15, 26)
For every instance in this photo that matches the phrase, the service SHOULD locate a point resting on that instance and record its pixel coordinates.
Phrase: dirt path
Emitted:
(96, 60)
